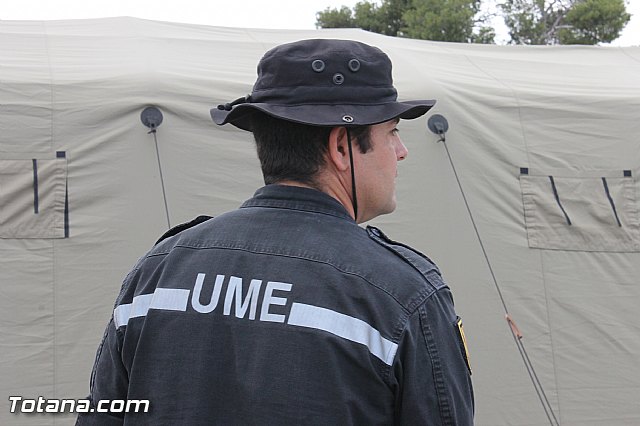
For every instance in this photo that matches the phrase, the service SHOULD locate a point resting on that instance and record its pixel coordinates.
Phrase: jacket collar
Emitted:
(297, 198)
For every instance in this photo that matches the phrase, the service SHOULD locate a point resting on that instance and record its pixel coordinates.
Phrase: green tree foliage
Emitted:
(393, 13)
(442, 20)
(485, 35)
(564, 21)
(367, 17)
(528, 21)
(594, 21)
(335, 18)
(451, 20)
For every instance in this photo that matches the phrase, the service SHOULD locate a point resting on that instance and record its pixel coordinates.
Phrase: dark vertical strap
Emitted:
(62, 155)
(613, 205)
(66, 208)
(353, 177)
(35, 186)
(555, 193)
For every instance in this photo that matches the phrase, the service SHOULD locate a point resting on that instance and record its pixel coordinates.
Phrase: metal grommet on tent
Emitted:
(151, 117)
(317, 65)
(347, 119)
(354, 65)
(338, 78)
(439, 125)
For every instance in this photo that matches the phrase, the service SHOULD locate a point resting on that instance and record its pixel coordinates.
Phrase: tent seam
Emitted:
(51, 83)
(264, 46)
(553, 349)
(53, 251)
(516, 98)
(626, 54)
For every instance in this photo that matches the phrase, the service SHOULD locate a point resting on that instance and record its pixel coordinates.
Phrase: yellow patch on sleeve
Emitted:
(463, 340)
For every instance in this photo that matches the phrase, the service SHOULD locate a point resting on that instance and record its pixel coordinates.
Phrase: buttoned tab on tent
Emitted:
(528, 202)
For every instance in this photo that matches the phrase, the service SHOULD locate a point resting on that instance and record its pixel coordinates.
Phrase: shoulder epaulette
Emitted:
(419, 261)
(183, 227)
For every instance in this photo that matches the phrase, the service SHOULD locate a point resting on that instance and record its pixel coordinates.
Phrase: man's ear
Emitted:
(338, 149)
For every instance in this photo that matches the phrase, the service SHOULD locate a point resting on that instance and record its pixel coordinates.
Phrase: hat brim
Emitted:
(324, 115)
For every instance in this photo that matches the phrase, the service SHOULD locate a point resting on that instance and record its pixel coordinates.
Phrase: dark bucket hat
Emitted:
(322, 83)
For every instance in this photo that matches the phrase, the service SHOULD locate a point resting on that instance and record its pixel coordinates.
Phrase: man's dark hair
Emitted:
(294, 151)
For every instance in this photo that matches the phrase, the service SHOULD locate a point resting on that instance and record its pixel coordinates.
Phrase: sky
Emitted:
(275, 14)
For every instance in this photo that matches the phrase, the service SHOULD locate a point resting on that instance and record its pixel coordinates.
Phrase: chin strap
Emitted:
(353, 177)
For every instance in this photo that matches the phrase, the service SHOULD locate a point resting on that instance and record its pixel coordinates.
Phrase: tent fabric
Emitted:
(570, 112)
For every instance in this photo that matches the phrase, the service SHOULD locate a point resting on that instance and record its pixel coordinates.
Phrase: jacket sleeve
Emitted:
(430, 376)
(109, 380)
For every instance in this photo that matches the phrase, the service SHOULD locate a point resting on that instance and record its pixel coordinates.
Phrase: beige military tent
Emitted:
(529, 205)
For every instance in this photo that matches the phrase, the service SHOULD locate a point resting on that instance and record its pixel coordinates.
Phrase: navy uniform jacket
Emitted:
(284, 312)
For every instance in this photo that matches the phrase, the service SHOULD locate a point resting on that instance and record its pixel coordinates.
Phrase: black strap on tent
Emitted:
(555, 194)
(517, 336)
(613, 205)
(66, 208)
(35, 186)
(63, 155)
